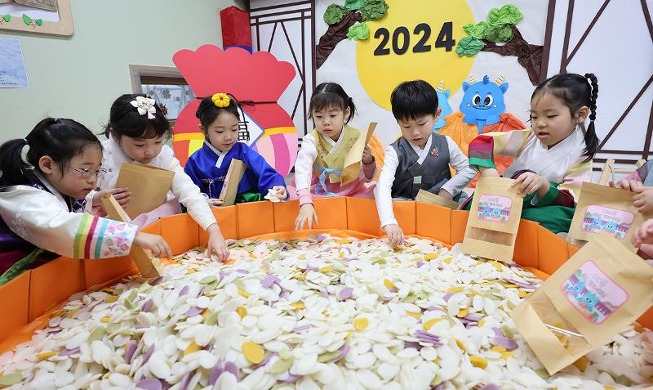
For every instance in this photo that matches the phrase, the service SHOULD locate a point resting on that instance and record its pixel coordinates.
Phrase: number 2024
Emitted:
(401, 33)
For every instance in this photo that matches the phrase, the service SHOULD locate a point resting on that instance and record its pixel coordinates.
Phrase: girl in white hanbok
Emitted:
(554, 157)
(41, 201)
(136, 133)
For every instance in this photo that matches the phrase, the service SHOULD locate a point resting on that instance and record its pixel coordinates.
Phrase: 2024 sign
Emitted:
(423, 31)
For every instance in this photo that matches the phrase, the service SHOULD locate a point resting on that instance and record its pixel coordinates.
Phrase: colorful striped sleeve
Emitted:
(484, 147)
(98, 237)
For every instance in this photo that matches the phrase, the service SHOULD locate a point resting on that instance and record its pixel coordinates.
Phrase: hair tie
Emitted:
(221, 100)
(592, 117)
(144, 106)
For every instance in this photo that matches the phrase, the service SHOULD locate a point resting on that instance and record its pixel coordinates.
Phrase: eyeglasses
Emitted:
(88, 173)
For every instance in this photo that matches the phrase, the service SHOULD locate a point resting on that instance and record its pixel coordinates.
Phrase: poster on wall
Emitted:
(12, 64)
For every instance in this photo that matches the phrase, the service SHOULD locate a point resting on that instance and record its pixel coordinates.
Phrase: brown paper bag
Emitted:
(605, 209)
(231, 181)
(591, 298)
(147, 266)
(431, 198)
(493, 219)
(148, 185)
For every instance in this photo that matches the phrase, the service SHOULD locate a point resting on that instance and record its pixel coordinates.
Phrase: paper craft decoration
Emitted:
(482, 110)
(145, 264)
(605, 209)
(493, 219)
(585, 303)
(231, 181)
(431, 198)
(148, 185)
(257, 80)
(352, 164)
(46, 17)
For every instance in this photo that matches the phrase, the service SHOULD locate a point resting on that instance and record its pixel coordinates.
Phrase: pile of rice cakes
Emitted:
(320, 313)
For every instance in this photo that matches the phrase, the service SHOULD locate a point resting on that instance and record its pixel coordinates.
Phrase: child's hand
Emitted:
(154, 243)
(445, 194)
(395, 235)
(628, 185)
(306, 215)
(217, 244)
(644, 200)
(215, 202)
(281, 191)
(122, 196)
(644, 234)
(489, 172)
(368, 158)
(530, 182)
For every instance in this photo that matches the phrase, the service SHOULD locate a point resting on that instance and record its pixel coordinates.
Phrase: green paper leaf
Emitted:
(6, 17)
(39, 22)
(27, 19)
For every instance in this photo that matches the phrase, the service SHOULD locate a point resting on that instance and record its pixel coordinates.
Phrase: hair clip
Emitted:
(221, 100)
(144, 106)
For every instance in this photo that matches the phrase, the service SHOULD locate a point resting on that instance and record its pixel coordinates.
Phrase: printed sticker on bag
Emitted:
(494, 208)
(593, 293)
(612, 221)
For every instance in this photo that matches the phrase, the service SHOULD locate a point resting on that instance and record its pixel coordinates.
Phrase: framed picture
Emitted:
(37, 16)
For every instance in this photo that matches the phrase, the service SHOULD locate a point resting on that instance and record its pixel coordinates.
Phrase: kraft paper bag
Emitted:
(431, 198)
(148, 185)
(597, 293)
(352, 164)
(605, 209)
(493, 219)
(231, 181)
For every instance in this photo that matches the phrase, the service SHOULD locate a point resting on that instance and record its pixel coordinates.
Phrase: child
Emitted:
(136, 132)
(321, 158)
(644, 237)
(420, 158)
(555, 156)
(218, 115)
(40, 201)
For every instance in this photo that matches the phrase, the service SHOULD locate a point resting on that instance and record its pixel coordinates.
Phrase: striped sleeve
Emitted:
(485, 147)
(101, 237)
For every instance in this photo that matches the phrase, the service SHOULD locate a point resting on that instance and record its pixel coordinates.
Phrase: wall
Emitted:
(79, 76)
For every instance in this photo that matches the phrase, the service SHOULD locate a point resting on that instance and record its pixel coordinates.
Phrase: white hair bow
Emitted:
(144, 106)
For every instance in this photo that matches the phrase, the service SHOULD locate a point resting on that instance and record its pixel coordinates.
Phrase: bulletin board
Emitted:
(51, 17)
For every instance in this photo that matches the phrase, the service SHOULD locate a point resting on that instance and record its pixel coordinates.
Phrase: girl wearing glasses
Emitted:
(136, 132)
(41, 201)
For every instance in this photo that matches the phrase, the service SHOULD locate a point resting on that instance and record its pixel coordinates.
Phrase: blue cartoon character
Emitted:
(589, 300)
(483, 102)
(496, 213)
(482, 110)
(610, 227)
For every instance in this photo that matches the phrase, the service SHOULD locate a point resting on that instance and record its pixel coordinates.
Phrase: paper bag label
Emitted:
(593, 293)
(494, 208)
(605, 219)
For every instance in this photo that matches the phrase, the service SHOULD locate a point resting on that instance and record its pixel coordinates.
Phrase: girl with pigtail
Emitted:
(42, 201)
(554, 157)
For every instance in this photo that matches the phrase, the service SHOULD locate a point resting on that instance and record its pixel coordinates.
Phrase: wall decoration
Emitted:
(256, 81)
(37, 16)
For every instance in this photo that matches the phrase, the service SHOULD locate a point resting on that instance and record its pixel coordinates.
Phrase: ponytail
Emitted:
(12, 166)
(591, 139)
(60, 139)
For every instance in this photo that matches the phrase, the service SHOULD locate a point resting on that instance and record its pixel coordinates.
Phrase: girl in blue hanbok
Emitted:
(208, 166)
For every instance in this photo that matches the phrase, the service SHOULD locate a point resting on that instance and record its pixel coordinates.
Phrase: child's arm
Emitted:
(383, 198)
(369, 164)
(483, 148)
(464, 173)
(38, 217)
(303, 175)
(191, 197)
(644, 200)
(267, 177)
